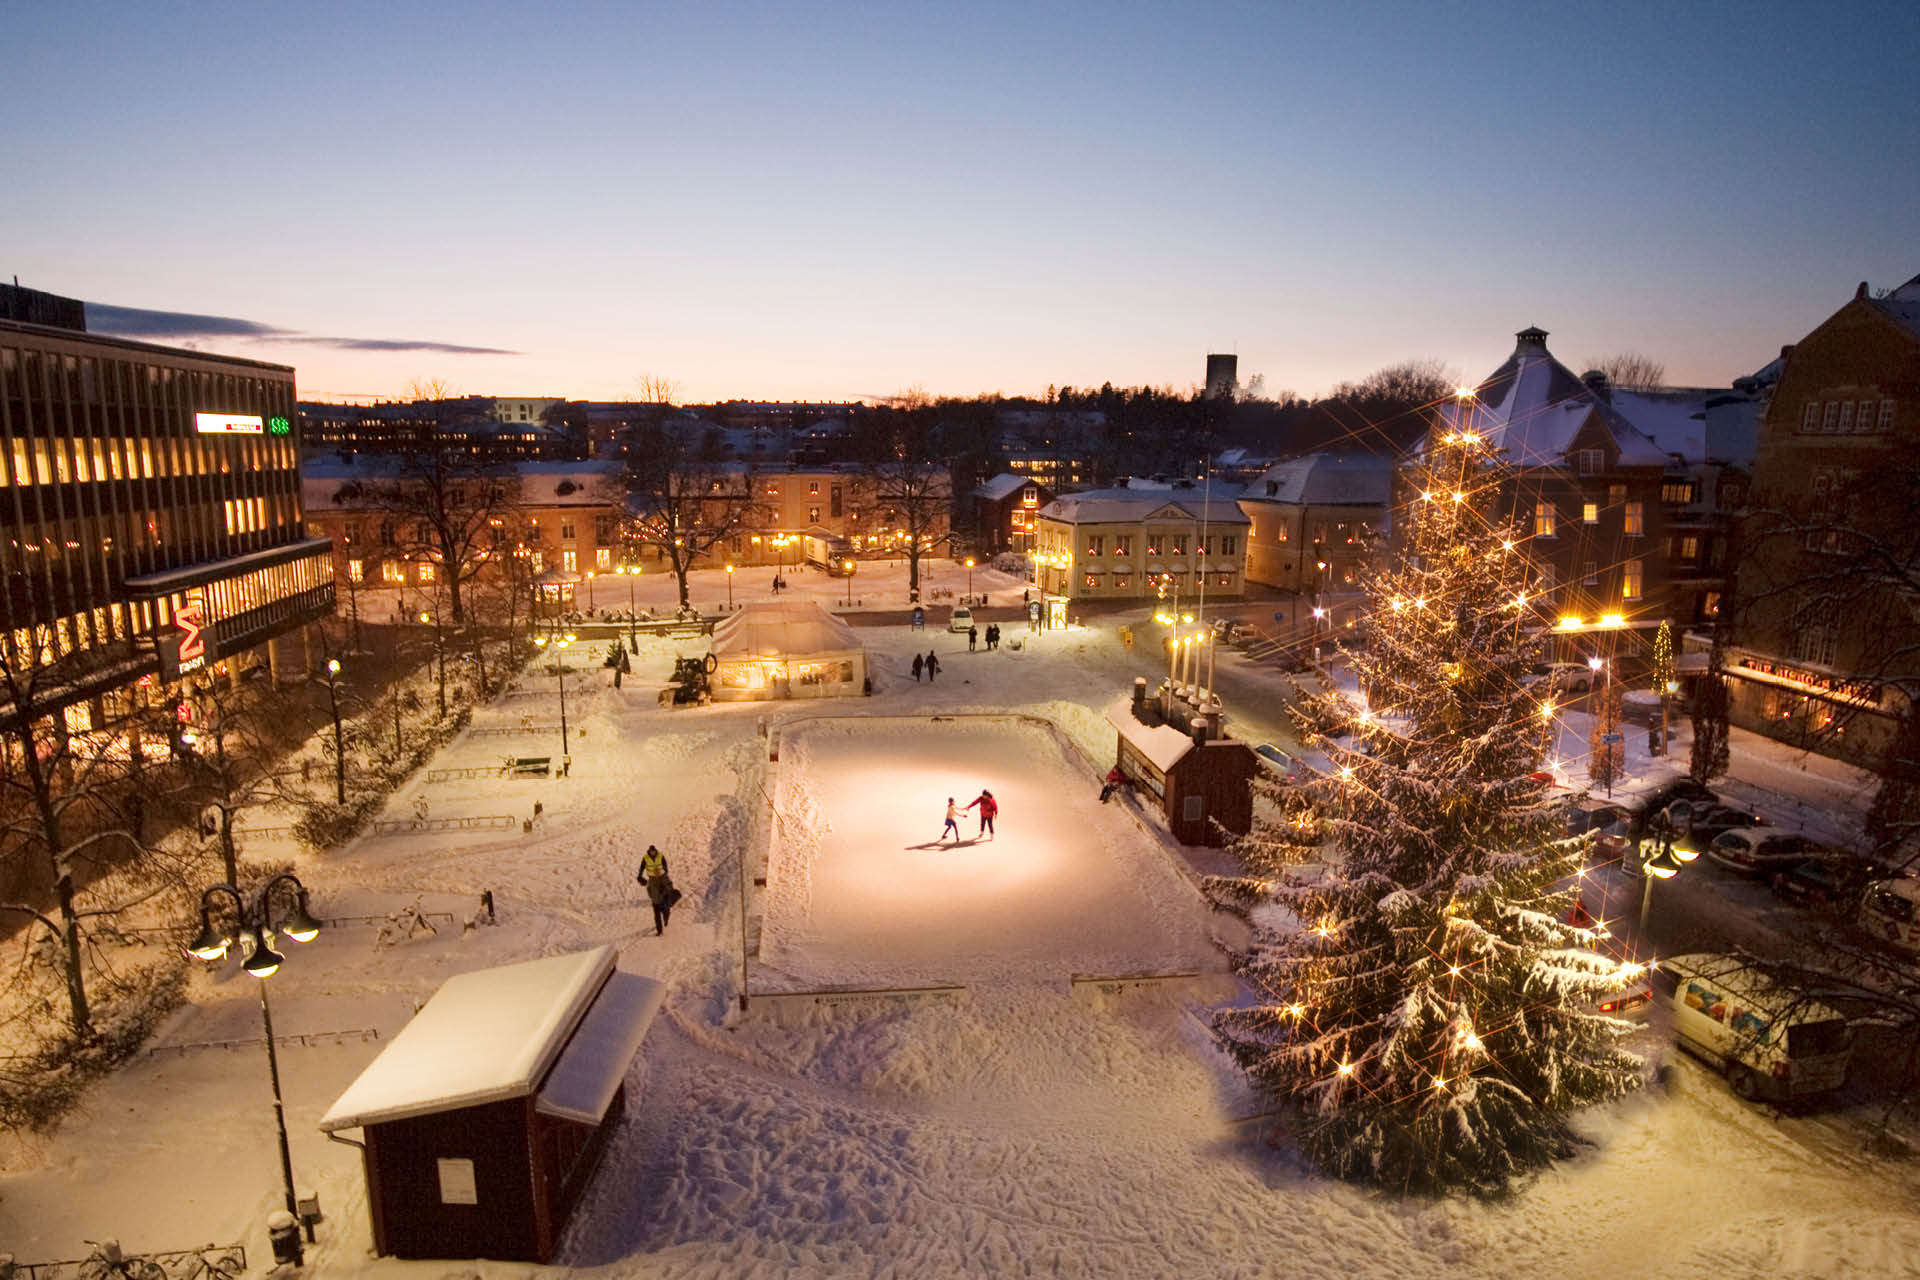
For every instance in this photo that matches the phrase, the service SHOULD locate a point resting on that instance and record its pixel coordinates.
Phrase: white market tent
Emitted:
(785, 649)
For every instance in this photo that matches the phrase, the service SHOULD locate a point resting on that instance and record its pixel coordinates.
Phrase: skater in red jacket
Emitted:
(988, 808)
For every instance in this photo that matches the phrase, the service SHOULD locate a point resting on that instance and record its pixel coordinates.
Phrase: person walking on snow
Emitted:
(988, 808)
(653, 874)
(993, 634)
(918, 662)
(973, 638)
(953, 821)
(933, 666)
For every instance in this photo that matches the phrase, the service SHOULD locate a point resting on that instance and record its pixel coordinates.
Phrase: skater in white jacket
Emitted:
(953, 821)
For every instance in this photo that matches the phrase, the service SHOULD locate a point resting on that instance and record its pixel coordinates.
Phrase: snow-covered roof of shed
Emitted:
(582, 1083)
(782, 629)
(484, 1036)
(1162, 744)
(1533, 406)
(1326, 479)
(1000, 486)
(1121, 506)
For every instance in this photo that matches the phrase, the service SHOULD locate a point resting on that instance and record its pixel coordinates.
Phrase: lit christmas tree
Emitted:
(1420, 1000)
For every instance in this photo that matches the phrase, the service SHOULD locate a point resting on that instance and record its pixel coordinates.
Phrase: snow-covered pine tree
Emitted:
(1419, 999)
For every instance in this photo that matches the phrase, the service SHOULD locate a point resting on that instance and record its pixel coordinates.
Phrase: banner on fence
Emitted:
(787, 1007)
(1094, 988)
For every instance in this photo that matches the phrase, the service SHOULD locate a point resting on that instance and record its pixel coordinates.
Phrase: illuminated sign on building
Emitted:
(279, 427)
(229, 424)
(189, 645)
(1863, 691)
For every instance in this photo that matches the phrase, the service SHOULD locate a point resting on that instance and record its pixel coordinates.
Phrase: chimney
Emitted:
(1861, 292)
(1597, 383)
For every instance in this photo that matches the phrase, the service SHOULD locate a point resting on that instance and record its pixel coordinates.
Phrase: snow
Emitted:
(582, 1083)
(1023, 1132)
(484, 1036)
(1162, 744)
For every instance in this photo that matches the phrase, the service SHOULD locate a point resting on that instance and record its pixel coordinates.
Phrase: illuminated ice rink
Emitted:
(862, 889)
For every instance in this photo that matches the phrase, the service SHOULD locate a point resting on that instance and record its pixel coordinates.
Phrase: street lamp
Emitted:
(255, 920)
(560, 644)
(630, 572)
(1663, 865)
(969, 579)
(849, 568)
(589, 591)
(339, 751)
(729, 586)
(440, 658)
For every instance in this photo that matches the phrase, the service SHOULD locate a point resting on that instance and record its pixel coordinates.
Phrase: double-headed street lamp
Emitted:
(339, 751)
(1664, 864)
(560, 644)
(254, 921)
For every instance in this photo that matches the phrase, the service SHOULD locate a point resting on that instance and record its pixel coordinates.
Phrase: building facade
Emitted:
(1003, 513)
(154, 520)
(1141, 543)
(1821, 653)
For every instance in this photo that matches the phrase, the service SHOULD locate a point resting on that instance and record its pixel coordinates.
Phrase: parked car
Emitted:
(1890, 911)
(960, 619)
(1771, 1041)
(1561, 677)
(1632, 1003)
(1697, 825)
(1582, 818)
(1756, 851)
(1666, 793)
(1816, 882)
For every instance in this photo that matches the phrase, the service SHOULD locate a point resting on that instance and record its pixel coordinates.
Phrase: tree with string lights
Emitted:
(1419, 1002)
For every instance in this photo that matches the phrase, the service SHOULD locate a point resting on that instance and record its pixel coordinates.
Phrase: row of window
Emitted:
(1846, 417)
(1122, 580)
(1546, 516)
(1174, 544)
(64, 460)
(395, 571)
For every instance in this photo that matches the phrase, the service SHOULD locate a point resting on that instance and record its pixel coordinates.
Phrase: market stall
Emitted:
(785, 649)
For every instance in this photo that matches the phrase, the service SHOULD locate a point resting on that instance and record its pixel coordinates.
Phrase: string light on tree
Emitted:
(1445, 863)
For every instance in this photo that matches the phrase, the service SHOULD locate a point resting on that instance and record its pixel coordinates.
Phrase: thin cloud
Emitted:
(136, 322)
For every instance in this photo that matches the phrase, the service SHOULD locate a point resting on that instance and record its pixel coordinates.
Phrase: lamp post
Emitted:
(633, 637)
(339, 751)
(729, 586)
(256, 919)
(1666, 698)
(1663, 865)
(560, 644)
(969, 579)
(849, 568)
(589, 591)
(440, 658)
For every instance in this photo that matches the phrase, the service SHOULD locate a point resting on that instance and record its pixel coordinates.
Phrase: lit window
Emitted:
(1636, 521)
(1096, 545)
(1123, 544)
(1631, 578)
(1688, 549)
(538, 560)
(1543, 520)
(1590, 513)
(426, 571)
(356, 571)
(392, 571)
(603, 557)
(569, 560)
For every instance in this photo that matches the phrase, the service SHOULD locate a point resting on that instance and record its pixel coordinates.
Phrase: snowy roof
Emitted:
(484, 1036)
(1326, 479)
(1902, 305)
(1001, 486)
(1533, 406)
(1123, 506)
(325, 480)
(1162, 744)
(583, 1082)
(782, 629)
(1674, 418)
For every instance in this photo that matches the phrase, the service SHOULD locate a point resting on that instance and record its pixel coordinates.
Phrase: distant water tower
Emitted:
(1223, 373)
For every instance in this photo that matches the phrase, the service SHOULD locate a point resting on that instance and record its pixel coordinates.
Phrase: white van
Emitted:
(1772, 1042)
(1890, 911)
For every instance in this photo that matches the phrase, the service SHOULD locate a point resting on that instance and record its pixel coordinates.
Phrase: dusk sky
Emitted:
(839, 201)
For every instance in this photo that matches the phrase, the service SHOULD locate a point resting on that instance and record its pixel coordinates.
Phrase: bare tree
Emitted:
(908, 465)
(431, 389)
(452, 509)
(690, 501)
(1632, 371)
(652, 388)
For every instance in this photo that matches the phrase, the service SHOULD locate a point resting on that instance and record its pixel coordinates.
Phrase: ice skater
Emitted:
(988, 808)
(933, 666)
(1113, 782)
(953, 821)
(918, 662)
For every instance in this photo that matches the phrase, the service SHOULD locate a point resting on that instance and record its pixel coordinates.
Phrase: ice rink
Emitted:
(862, 888)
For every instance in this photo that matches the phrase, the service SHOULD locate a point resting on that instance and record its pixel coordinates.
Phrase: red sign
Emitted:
(191, 617)
(183, 713)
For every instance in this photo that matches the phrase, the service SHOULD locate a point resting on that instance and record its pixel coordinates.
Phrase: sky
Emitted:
(840, 201)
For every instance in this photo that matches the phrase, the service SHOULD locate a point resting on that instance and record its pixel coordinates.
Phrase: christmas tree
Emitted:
(1419, 999)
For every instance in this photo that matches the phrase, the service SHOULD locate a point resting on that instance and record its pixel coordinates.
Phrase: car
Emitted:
(1697, 825)
(1561, 677)
(1632, 1003)
(1593, 817)
(1666, 793)
(961, 619)
(1817, 883)
(1756, 851)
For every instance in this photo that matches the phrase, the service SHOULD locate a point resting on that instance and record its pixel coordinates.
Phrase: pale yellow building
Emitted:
(1141, 542)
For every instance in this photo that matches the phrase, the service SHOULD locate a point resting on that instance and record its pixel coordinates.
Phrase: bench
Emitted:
(530, 766)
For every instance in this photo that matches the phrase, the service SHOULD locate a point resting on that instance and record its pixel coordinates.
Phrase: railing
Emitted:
(406, 826)
(331, 921)
(306, 1039)
(503, 731)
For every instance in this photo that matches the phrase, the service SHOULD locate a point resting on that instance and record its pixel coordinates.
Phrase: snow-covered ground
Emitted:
(1022, 1132)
